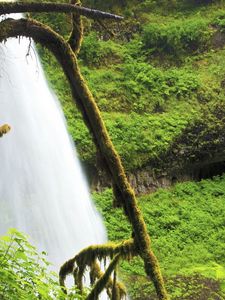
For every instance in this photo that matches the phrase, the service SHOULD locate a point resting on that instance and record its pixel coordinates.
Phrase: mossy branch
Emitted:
(20, 7)
(87, 256)
(4, 129)
(91, 114)
(76, 35)
(111, 285)
(103, 280)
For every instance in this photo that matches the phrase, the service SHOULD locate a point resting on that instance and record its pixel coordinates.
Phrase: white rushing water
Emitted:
(42, 189)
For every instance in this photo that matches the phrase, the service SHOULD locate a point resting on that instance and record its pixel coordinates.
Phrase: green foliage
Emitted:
(116, 223)
(90, 51)
(186, 225)
(140, 87)
(145, 137)
(172, 6)
(25, 273)
(150, 87)
(95, 52)
(156, 5)
(220, 20)
(140, 93)
(177, 37)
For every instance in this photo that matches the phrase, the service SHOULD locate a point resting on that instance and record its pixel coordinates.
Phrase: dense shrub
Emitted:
(25, 273)
(95, 52)
(178, 37)
(174, 4)
(177, 82)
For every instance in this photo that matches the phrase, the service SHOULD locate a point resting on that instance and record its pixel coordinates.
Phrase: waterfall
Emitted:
(43, 191)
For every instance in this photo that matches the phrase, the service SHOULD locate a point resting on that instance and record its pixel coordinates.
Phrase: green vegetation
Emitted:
(160, 86)
(186, 224)
(152, 80)
(25, 273)
(178, 37)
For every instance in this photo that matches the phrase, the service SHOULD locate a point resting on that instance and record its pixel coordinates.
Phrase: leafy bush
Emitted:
(171, 5)
(177, 82)
(219, 20)
(25, 273)
(90, 51)
(177, 38)
(139, 87)
(95, 52)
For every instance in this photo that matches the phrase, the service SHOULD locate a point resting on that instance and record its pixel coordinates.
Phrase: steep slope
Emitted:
(159, 83)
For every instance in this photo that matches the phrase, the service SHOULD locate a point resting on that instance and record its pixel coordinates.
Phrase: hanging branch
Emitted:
(22, 7)
(76, 34)
(85, 257)
(111, 285)
(4, 129)
(88, 258)
(91, 115)
(103, 280)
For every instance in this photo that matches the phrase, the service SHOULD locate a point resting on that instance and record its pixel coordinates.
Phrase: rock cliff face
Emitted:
(145, 181)
(218, 39)
(198, 153)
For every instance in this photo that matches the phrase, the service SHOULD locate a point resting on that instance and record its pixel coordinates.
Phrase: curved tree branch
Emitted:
(91, 114)
(20, 7)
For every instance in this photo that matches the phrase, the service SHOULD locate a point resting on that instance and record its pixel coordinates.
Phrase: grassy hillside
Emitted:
(152, 80)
